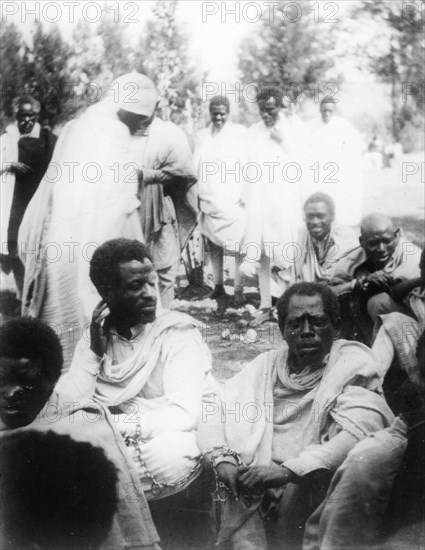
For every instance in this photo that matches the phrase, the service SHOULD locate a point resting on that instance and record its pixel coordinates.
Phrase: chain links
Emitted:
(157, 487)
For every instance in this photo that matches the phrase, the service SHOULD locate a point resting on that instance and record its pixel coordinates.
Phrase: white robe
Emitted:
(218, 161)
(337, 150)
(87, 197)
(274, 188)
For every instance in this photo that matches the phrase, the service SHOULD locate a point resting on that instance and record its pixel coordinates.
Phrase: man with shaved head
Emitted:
(366, 275)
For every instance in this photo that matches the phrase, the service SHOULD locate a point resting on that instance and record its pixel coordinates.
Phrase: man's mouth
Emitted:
(309, 346)
(148, 308)
(13, 409)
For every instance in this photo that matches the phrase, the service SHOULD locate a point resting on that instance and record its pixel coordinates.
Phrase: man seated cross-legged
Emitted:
(152, 372)
(288, 420)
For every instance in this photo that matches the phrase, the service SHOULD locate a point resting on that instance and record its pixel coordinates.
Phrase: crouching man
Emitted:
(152, 372)
(288, 420)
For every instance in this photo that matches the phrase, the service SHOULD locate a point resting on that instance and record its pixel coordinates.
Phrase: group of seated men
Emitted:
(306, 451)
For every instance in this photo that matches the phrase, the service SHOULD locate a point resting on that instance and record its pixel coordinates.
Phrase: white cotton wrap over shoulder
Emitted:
(87, 196)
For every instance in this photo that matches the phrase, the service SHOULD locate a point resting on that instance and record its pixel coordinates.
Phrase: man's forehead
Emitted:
(19, 365)
(136, 267)
(26, 108)
(319, 206)
(300, 304)
(378, 233)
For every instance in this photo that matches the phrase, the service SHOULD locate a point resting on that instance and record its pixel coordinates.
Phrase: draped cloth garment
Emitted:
(345, 394)
(218, 160)
(336, 151)
(87, 197)
(274, 195)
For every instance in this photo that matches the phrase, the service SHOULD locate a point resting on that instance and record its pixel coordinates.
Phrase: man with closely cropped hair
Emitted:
(384, 258)
(320, 245)
(151, 371)
(30, 364)
(302, 409)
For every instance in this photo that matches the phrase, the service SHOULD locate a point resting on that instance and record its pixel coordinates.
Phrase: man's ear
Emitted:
(397, 233)
(361, 241)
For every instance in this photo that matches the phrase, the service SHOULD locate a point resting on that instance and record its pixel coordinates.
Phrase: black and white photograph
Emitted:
(212, 275)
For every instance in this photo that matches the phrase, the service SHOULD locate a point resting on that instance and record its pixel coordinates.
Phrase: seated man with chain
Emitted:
(151, 371)
(287, 421)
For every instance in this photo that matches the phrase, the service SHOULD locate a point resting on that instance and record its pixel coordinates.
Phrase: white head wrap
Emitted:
(135, 93)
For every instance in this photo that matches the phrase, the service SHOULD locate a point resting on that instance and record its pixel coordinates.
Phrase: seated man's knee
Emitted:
(380, 304)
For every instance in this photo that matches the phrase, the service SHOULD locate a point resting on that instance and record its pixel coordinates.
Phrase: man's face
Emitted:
(308, 330)
(137, 124)
(327, 111)
(269, 112)
(134, 300)
(318, 220)
(219, 114)
(24, 390)
(26, 118)
(379, 245)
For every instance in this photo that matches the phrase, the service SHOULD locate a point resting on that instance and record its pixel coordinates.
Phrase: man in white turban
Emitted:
(90, 194)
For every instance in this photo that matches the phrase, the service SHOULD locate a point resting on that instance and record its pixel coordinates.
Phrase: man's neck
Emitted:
(123, 328)
(296, 367)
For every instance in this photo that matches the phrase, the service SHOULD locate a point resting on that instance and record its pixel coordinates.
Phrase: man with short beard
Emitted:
(288, 420)
(152, 372)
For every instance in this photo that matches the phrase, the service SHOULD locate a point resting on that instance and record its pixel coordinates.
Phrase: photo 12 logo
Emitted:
(284, 12)
(69, 12)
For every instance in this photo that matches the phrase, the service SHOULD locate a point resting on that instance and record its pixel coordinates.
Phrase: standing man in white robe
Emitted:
(88, 195)
(218, 159)
(274, 173)
(336, 161)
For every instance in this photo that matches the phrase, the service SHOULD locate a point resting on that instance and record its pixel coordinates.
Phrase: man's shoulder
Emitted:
(174, 320)
(349, 262)
(350, 359)
(351, 363)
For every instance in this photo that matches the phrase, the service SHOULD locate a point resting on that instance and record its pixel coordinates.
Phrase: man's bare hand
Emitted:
(380, 279)
(19, 168)
(98, 338)
(257, 479)
(227, 474)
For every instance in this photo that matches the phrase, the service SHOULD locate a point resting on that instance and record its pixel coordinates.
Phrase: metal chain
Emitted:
(157, 486)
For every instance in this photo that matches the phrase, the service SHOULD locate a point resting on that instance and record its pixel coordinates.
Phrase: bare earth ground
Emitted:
(184, 523)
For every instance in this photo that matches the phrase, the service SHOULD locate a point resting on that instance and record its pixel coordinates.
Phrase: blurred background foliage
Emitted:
(302, 56)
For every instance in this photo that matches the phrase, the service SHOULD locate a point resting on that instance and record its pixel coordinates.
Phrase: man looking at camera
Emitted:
(152, 372)
(273, 192)
(302, 409)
